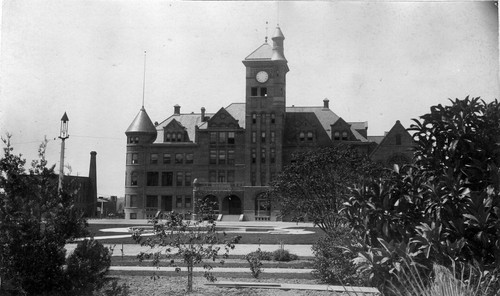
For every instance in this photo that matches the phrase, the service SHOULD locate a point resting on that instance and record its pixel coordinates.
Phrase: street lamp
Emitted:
(63, 136)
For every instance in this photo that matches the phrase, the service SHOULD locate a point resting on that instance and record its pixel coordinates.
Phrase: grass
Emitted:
(246, 238)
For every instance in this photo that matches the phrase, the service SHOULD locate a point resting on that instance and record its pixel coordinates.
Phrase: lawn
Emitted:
(246, 238)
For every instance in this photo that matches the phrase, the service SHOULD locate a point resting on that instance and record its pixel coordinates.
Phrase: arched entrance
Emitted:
(231, 205)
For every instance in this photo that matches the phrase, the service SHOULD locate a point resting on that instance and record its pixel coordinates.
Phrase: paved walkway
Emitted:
(240, 249)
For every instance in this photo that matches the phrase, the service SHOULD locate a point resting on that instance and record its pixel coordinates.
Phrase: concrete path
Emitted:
(216, 269)
(240, 249)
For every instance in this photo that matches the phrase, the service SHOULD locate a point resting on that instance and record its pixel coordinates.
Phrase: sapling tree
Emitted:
(191, 242)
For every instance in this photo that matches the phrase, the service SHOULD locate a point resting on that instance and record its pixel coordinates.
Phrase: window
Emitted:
(189, 158)
(302, 136)
(166, 202)
(263, 155)
(167, 158)
(253, 91)
(133, 215)
(273, 137)
(230, 176)
(187, 179)
(263, 118)
(398, 139)
(254, 118)
(336, 136)
(212, 176)
(273, 118)
(168, 137)
(262, 177)
(167, 178)
(230, 137)
(273, 155)
(309, 136)
(263, 91)
(222, 137)
(135, 158)
(151, 201)
(213, 137)
(133, 140)
(213, 157)
(152, 178)
(178, 201)
(263, 137)
(179, 137)
(187, 201)
(253, 178)
(133, 179)
(179, 158)
(263, 206)
(221, 178)
(179, 179)
(153, 158)
(133, 201)
(254, 137)
(254, 156)
(230, 157)
(222, 157)
(344, 136)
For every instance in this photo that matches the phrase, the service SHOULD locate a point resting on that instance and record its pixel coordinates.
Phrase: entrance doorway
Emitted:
(231, 205)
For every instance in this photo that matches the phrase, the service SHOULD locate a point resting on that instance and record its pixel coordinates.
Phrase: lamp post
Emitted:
(63, 136)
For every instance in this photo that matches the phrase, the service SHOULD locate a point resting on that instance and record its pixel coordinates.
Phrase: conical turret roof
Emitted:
(142, 124)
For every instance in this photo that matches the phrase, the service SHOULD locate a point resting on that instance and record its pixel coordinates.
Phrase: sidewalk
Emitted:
(240, 249)
(277, 224)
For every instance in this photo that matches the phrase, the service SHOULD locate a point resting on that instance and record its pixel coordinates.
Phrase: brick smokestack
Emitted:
(93, 181)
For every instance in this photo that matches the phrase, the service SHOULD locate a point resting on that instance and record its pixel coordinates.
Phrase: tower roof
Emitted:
(263, 52)
(278, 34)
(142, 124)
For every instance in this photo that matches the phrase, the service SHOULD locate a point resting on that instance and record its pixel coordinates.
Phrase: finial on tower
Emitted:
(144, 81)
(266, 32)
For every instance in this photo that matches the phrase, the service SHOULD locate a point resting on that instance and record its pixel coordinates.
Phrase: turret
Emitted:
(141, 130)
(278, 50)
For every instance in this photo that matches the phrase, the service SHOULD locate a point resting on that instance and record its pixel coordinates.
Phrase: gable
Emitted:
(397, 143)
(223, 119)
(174, 125)
(303, 123)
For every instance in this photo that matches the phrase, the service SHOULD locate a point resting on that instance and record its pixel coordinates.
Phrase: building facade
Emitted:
(230, 156)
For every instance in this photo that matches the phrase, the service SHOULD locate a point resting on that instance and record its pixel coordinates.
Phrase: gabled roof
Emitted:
(264, 52)
(223, 118)
(141, 124)
(325, 116)
(388, 142)
(188, 121)
(237, 110)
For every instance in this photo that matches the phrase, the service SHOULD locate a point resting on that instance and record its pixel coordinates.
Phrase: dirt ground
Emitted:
(145, 286)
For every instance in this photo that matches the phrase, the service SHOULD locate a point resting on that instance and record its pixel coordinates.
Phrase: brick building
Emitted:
(233, 153)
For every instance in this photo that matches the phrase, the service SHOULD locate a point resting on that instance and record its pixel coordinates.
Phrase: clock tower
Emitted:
(265, 100)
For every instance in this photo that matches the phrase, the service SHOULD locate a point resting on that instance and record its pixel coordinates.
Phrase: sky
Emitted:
(375, 61)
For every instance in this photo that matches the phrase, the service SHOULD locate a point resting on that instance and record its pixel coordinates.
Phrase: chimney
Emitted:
(326, 103)
(92, 199)
(177, 109)
(202, 114)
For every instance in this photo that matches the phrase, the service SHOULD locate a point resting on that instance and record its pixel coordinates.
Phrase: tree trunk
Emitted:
(190, 277)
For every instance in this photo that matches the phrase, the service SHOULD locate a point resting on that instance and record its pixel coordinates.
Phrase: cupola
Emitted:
(142, 129)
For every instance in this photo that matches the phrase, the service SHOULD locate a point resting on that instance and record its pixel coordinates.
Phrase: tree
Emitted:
(445, 207)
(316, 184)
(36, 221)
(194, 242)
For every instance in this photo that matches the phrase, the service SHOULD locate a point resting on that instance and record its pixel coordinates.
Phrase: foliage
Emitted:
(196, 242)
(262, 255)
(333, 260)
(284, 255)
(36, 220)
(87, 267)
(444, 208)
(112, 288)
(316, 184)
(254, 260)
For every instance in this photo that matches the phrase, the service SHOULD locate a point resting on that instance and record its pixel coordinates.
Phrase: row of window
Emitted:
(263, 118)
(272, 155)
(163, 202)
(221, 156)
(258, 91)
(163, 179)
(173, 137)
(222, 138)
(303, 138)
(337, 136)
(263, 138)
(221, 176)
(133, 140)
(167, 158)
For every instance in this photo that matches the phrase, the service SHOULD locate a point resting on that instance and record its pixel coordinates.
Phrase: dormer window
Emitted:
(344, 136)
(336, 136)
(309, 136)
(302, 137)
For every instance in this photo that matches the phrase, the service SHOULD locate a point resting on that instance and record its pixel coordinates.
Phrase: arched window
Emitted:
(336, 136)
(344, 136)
(302, 136)
(273, 118)
(254, 118)
(309, 136)
(179, 137)
(168, 137)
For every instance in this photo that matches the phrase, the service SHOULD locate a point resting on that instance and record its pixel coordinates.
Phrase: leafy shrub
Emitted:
(333, 261)
(284, 255)
(87, 266)
(254, 260)
(262, 255)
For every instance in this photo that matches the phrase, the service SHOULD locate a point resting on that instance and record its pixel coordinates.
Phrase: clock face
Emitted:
(262, 76)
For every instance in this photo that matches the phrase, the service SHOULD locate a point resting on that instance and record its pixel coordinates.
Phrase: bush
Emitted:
(284, 255)
(87, 267)
(254, 260)
(262, 255)
(333, 263)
